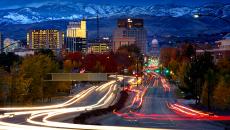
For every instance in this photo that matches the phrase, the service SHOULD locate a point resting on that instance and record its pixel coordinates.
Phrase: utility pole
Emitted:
(137, 72)
(98, 36)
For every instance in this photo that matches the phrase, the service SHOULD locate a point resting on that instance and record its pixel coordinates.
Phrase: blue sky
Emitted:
(23, 3)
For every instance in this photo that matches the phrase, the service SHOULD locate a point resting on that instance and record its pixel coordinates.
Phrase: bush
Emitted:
(221, 95)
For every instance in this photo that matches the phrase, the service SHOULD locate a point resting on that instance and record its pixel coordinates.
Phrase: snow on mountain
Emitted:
(19, 18)
(57, 11)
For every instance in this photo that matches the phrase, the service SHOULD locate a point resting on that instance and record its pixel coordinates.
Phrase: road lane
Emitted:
(155, 113)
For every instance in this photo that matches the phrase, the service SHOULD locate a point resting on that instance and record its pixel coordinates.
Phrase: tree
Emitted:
(129, 50)
(187, 51)
(90, 62)
(182, 75)
(221, 94)
(3, 86)
(18, 85)
(68, 66)
(98, 67)
(7, 60)
(210, 81)
(33, 70)
(196, 74)
(47, 52)
(167, 54)
(174, 67)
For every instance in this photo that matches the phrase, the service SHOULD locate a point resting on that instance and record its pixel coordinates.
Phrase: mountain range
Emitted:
(166, 19)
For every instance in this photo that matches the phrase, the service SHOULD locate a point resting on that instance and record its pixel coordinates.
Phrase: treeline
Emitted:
(198, 75)
(125, 57)
(21, 80)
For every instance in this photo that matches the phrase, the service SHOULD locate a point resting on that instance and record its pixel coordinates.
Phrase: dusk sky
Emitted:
(23, 3)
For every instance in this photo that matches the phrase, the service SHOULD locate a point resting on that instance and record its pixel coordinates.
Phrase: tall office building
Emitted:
(76, 36)
(45, 39)
(130, 31)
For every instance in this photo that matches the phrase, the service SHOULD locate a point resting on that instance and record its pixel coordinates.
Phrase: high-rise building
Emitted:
(76, 36)
(77, 29)
(45, 39)
(130, 31)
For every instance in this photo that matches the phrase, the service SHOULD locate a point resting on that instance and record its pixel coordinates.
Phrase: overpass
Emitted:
(77, 77)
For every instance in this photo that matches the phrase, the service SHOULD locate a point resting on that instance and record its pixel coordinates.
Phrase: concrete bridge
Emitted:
(77, 77)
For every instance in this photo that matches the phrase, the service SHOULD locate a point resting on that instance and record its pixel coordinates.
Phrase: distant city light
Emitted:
(196, 16)
(130, 21)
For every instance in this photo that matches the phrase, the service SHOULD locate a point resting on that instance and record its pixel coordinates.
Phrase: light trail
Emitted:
(56, 110)
(107, 98)
(37, 113)
(88, 91)
(195, 114)
(165, 85)
(185, 113)
(43, 118)
(65, 104)
(69, 102)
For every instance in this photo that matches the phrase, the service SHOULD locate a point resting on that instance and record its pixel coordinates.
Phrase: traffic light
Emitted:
(148, 71)
(167, 71)
(157, 70)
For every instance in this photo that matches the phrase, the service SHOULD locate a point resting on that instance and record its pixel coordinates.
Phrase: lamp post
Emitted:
(198, 80)
(198, 15)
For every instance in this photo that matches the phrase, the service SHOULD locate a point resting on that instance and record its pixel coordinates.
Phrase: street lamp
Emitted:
(198, 80)
(198, 15)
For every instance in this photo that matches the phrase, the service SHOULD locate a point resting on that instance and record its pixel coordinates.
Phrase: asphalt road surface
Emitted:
(155, 113)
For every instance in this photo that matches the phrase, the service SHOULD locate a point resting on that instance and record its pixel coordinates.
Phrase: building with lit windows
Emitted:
(76, 36)
(102, 45)
(130, 31)
(221, 51)
(45, 39)
(98, 48)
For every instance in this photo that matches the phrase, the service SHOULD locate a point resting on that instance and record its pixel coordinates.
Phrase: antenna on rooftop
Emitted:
(98, 36)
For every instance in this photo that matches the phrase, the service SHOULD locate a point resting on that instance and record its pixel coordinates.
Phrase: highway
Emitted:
(91, 98)
(53, 116)
(158, 111)
(151, 106)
